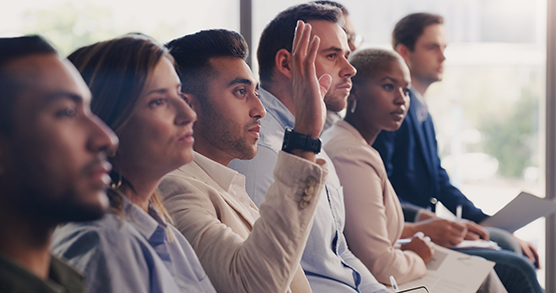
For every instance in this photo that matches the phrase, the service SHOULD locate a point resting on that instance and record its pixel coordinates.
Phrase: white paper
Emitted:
(521, 211)
(474, 244)
(450, 271)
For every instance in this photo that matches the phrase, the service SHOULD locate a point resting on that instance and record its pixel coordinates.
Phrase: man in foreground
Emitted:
(53, 166)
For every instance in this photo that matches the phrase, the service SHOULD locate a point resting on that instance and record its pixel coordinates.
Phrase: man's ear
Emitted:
(404, 51)
(282, 62)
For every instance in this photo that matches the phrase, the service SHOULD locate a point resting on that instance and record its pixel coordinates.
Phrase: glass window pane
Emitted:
(489, 109)
(72, 24)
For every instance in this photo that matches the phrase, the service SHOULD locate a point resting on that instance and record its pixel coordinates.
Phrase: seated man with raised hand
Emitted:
(53, 164)
(329, 264)
(241, 249)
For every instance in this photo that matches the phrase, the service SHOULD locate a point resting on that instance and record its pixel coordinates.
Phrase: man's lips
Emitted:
(255, 129)
(98, 172)
(345, 86)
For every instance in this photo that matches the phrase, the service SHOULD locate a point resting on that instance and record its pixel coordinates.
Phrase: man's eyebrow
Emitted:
(240, 80)
(56, 96)
(332, 49)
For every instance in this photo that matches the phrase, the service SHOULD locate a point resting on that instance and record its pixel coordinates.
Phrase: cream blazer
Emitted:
(240, 255)
(374, 217)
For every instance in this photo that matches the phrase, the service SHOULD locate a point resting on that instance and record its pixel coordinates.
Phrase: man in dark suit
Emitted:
(410, 154)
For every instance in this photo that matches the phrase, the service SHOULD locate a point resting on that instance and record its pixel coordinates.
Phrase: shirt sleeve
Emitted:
(112, 261)
(368, 219)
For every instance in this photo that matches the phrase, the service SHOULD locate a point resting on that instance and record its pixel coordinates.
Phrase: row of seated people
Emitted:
(178, 131)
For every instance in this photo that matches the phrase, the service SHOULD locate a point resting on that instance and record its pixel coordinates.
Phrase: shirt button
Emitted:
(308, 192)
(311, 181)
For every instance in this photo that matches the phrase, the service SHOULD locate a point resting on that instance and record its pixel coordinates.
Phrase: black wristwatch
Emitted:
(298, 141)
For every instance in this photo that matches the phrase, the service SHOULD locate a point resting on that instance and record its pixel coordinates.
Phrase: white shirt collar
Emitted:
(223, 175)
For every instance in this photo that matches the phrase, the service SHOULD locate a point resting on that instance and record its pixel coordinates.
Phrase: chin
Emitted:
(89, 210)
(336, 105)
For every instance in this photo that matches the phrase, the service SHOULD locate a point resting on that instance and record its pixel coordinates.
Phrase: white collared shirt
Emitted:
(230, 180)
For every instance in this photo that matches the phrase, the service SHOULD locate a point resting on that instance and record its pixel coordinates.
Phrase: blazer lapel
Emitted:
(195, 171)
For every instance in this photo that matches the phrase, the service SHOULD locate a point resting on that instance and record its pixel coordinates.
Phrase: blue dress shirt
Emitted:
(137, 252)
(328, 263)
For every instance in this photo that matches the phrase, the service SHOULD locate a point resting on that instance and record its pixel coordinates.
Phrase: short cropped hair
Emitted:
(333, 3)
(411, 27)
(193, 52)
(368, 61)
(11, 49)
(278, 34)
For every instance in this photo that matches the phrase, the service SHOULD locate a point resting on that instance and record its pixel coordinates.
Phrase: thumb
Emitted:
(325, 81)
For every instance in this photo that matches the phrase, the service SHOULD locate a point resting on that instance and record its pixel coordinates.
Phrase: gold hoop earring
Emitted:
(353, 106)
(118, 184)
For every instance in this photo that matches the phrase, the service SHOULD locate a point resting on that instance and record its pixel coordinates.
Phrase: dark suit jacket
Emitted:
(410, 155)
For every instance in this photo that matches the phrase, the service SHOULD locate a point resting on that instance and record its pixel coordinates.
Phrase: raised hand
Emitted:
(308, 91)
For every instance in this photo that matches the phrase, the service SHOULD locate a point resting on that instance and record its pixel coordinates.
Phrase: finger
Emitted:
(427, 239)
(536, 255)
(298, 34)
(458, 226)
(419, 235)
(456, 240)
(325, 81)
(472, 236)
(530, 252)
(311, 57)
(304, 42)
(473, 227)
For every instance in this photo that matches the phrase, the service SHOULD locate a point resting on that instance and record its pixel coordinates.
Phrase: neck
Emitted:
(26, 240)
(141, 189)
(208, 150)
(369, 133)
(419, 85)
(283, 91)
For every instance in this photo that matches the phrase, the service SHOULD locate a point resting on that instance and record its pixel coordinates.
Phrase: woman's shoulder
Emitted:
(110, 233)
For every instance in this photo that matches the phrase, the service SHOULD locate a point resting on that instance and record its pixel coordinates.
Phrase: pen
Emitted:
(394, 284)
(458, 212)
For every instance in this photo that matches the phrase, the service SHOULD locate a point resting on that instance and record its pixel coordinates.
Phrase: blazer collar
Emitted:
(220, 178)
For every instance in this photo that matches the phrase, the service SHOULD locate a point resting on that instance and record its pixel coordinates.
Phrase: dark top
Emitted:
(14, 278)
(410, 156)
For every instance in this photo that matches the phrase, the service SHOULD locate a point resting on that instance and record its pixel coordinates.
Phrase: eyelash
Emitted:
(68, 112)
(388, 87)
(156, 102)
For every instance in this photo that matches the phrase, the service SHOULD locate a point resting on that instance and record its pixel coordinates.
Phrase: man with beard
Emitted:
(241, 249)
(53, 164)
(327, 261)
